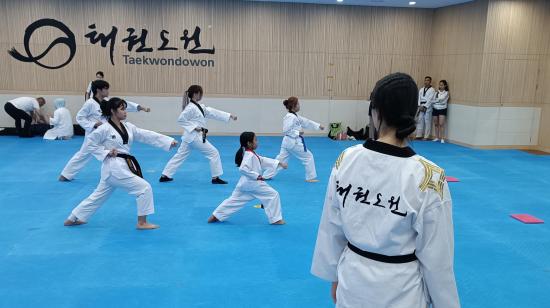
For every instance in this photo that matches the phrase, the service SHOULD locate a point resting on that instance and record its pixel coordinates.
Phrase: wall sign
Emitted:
(134, 43)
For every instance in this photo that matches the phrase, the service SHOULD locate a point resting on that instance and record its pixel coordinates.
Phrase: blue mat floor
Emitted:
(245, 262)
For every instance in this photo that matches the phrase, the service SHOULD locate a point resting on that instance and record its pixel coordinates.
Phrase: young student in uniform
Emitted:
(251, 184)
(24, 108)
(424, 121)
(62, 122)
(386, 232)
(293, 140)
(90, 117)
(193, 120)
(89, 93)
(440, 104)
(110, 143)
(131, 105)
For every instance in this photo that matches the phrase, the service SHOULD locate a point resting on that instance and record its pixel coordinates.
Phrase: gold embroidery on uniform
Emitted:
(431, 171)
(339, 160)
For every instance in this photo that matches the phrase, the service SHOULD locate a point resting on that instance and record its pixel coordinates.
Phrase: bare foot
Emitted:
(63, 179)
(312, 181)
(146, 226)
(212, 219)
(279, 222)
(77, 222)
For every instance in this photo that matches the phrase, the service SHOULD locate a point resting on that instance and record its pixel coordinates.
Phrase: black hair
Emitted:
(446, 84)
(428, 77)
(100, 73)
(99, 85)
(114, 103)
(188, 95)
(395, 98)
(245, 138)
(290, 103)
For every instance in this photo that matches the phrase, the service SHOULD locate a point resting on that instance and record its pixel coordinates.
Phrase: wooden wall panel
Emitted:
(457, 49)
(262, 49)
(515, 43)
(485, 49)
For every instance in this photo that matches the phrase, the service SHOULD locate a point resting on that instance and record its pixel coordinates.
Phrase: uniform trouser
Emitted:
(134, 185)
(265, 193)
(306, 157)
(18, 115)
(78, 161)
(424, 123)
(364, 282)
(207, 149)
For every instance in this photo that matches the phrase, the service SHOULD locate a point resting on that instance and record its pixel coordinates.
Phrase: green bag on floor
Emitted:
(335, 129)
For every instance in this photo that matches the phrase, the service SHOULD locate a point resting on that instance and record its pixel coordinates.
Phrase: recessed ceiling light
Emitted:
(412, 2)
(339, 0)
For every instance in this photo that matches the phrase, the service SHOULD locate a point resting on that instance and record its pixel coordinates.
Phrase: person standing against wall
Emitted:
(424, 118)
(440, 104)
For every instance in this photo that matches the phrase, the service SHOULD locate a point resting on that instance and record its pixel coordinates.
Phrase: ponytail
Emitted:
(239, 156)
(185, 101)
(245, 138)
(406, 126)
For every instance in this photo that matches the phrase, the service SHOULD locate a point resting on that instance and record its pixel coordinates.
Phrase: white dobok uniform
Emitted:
(87, 117)
(424, 119)
(115, 171)
(386, 232)
(190, 118)
(249, 188)
(293, 143)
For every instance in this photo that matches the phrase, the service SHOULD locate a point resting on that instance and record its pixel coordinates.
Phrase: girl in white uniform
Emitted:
(251, 184)
(90, 117)
(425, 97)
(293, 140)
(386, 233)
(193, 120)
(110, 144)
(440, 104)
(62, 123)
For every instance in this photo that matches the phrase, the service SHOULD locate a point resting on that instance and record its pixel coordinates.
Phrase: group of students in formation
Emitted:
(385, 238)
(108, 137)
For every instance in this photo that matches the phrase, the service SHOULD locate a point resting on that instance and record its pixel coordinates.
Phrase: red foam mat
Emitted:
(527, 219)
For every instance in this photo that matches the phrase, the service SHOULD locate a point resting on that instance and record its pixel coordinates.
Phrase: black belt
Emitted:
(383, 258)
(132, 162)
(204, 133)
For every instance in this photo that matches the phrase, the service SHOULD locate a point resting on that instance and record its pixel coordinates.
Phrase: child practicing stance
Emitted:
(251, 185)
(293, 141)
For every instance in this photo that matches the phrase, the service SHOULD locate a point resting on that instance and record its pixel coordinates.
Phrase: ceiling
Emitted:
(391, 3)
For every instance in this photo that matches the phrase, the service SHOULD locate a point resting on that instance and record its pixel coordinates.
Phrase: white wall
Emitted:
(493, 126)
(263, 116)
(472, 125)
